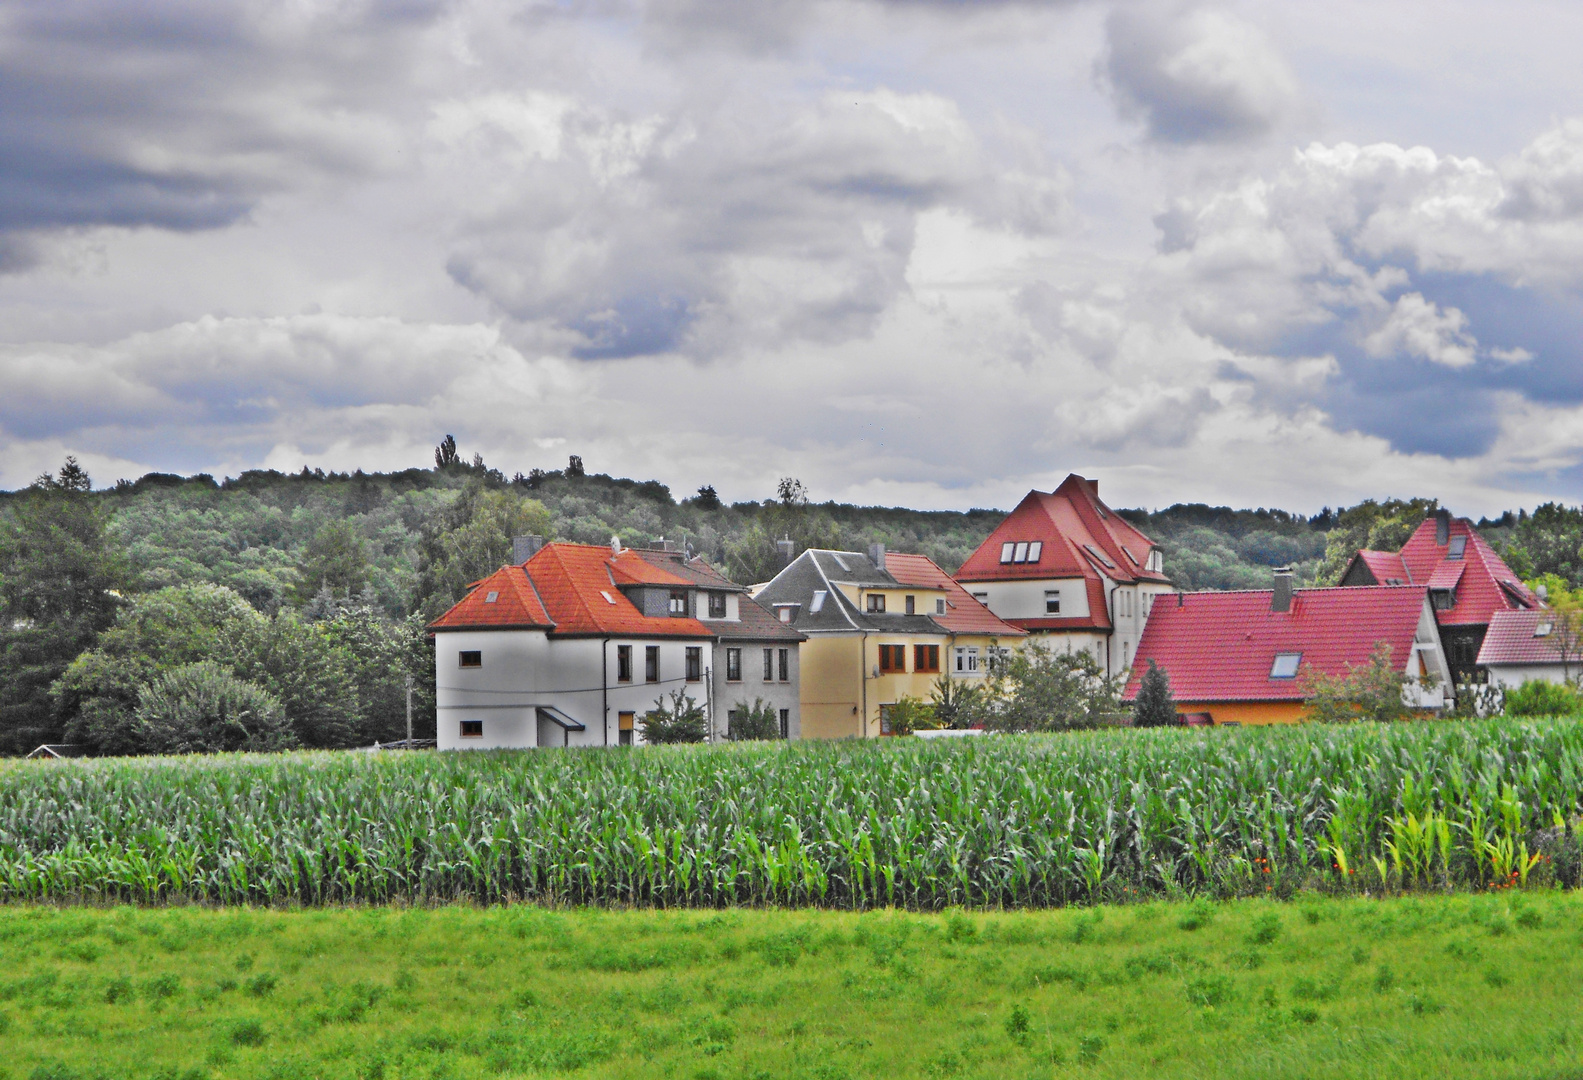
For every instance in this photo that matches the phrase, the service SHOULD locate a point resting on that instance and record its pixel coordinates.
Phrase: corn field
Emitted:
(997, 821)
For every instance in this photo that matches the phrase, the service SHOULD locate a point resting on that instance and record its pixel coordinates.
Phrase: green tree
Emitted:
(1537, 697)
(61, 582)
(681, 721)
(1550, 541)
(909, 714)
(955, 702)
(1040, 689)
(335, 559)
(445, 455)
(755, 553)
(312, 680)
(471, 539)
(1378, 526)
(203, 708)
(757, 721)
(1154, 707)
(1375, 690)
(380, 656)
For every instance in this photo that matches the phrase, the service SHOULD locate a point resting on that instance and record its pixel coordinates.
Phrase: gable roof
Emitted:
(1221, 646)
(963, 614)
(1483, 582)
(1513, 639)
(818, 571)
(517, 605)
(1079, 536)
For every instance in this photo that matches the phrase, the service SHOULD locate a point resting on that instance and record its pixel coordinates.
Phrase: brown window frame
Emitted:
(889, 652)
(651, 663)
(470, 729)
(695, 663)
(784, 660)
(717, 605)
(733, 665)
(470, 658)
(926, 659)
(623, 663)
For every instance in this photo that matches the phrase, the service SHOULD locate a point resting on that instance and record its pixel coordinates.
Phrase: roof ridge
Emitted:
(841, 601)
(534, 589)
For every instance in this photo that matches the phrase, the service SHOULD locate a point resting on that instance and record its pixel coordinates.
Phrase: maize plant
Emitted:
(996, 821)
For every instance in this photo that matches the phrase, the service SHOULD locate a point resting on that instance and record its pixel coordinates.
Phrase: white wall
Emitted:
(524, 669)
(1025, 599)
(1511, 676)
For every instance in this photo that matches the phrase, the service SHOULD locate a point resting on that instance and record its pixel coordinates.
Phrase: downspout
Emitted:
(862, 671)
(1111, 637)
(604, 686)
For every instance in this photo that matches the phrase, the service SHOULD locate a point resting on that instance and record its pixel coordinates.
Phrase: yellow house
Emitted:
(879, 627)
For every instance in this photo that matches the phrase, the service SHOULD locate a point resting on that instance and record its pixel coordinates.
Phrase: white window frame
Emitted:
(1006, 551)
(1052, 596)
(966, 659)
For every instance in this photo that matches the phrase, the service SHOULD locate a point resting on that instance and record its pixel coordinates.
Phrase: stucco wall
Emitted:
(752, 686)
(1025, 599)
(1512, 676)
(1249, 713)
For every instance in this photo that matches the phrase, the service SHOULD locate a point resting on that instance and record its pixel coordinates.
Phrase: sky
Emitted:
(928, 253)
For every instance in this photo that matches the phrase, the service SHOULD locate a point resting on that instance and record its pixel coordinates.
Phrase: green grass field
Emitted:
(1426, 986)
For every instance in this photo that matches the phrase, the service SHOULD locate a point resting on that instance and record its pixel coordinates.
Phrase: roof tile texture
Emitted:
(1510, 639)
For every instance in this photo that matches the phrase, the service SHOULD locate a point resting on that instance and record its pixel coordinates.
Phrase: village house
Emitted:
(1468, 584)
(1240, 657)
(1531, 643)
(572, 644)
(1064, 567)
(880, 627)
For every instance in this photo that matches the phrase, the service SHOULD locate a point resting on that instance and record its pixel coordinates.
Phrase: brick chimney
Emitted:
(524, 548)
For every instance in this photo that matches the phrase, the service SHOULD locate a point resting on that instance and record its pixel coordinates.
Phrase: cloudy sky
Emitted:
(915, 252)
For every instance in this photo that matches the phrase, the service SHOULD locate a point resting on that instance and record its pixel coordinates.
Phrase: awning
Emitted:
(555, 716)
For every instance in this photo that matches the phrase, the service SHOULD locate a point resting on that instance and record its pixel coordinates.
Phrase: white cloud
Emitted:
(1420, 328)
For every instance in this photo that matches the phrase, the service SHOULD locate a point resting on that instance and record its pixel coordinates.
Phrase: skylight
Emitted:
(1285, 666)
(1094, 551)
(1543, 629)
(839, 561)
(818, 600)
(1459, 545)
(1021, 551)
(608, 598)
(1006, 551)
(492, 597)
(1020, 554)
(1034, 549)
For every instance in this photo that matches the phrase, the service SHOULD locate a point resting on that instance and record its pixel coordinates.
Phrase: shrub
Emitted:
(682, 721)
(1538, 697)
(909, 715)
(758, 721)
(203, 707)
(248, 1032)
(1371, 691)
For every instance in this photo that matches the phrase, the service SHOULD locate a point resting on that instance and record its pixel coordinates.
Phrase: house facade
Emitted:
(1240, 657)
(1528, 644)
(1468, 584)
(1064, 567)
(572, 646)
(879, 627)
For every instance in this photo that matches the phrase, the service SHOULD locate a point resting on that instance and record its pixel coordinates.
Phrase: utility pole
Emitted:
(409, 710)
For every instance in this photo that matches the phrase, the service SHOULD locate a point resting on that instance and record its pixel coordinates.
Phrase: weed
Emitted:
(244, 962)
(1089, 1047)
(1529, 919)
(1423, 1004)
(526, 999)
(118, 990)
(1198, 915)
(1208, 991)
(1302, 1014)
(1266, 928)
(161, 987)
(248, 1031)
(1018, 1023)
(1384, 979)
(1494, 976)
(959, 927)
(261, 985)
(1360, 955)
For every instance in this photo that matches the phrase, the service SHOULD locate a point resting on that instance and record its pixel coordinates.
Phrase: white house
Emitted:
(1527, 644)
(570, 647)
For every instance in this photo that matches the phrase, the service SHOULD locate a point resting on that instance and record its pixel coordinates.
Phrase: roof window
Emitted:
(1543, 629)
(1094, 551)
(1021, 552)
(1459, 545)
(818, 600)
(1007, 550)
(492, 597)
(1035, 549)
(1286, 664)
(608, 598)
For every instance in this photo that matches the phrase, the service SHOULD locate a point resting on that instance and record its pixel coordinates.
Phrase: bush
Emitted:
(749, 722)
(202, 707)
(1154, 706)
(909, 715)
(1371, 691)
(1037, 689)
(1537, 697)
(682, 721)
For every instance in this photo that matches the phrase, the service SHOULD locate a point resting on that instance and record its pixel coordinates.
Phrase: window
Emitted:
(982, 598)
(679, 604)
(472, 729)
(994, 657)
(967, 659)
(1052, 601)
(1285, 666)
(733, 665)
(608, 598)
(1459, 547)
(1096, 553)
(1543, 629)
(695, 663)
(651, 663)
(470, 658)
(876, 603)
(818, 600)
(785, 665)
(624, 725)
(623, 663)
(769, 665)
(926, 658)
(1006, 551)
(912, 605)
(1442, 599)
(785, 723)
(491, 596)
(884, 719)
(1035, 549)
(939, 607)
(1021, 552)
(787, 612)
(892, 658)
(717, 605)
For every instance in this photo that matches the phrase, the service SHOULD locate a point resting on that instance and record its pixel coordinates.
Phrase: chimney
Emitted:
(784, 548)
(1282, 600)
(524, 548)
(1442, 527)
(876, 555)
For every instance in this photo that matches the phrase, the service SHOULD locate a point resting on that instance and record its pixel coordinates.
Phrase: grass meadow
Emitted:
(1421, 986)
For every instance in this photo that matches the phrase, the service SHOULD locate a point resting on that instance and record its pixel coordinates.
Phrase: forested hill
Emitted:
(410, 541)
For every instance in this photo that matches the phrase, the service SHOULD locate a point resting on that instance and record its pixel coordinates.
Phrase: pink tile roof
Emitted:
(1511, 639)
(963, 614)
(1387, 567)
(1079, 533)
(1484, 583)
(1220, 646)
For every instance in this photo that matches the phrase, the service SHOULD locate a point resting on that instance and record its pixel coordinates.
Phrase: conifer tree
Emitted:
(1155, 707)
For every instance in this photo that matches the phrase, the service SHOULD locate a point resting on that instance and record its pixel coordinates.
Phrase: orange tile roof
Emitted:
(516, 606)
(964, 615)
(635, 568)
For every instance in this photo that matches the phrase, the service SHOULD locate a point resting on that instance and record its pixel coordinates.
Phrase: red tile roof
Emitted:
(1079, 534)
(1511, 639)
(517, 606)
(573, 582)
(1220, 646)
(1485, 583)
(963, 614)
(1387, 567)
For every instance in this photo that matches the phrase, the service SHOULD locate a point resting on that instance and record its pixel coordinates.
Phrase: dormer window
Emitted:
(679, 604)
(717, 605)
(492, 596)
(1459, 546)
(876, 603)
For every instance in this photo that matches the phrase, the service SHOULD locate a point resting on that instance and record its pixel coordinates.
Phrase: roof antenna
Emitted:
(615, 545)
